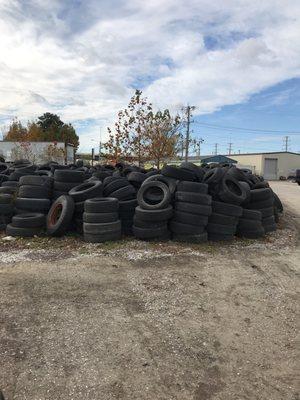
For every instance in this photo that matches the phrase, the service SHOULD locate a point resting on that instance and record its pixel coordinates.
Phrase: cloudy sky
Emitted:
(237, 61)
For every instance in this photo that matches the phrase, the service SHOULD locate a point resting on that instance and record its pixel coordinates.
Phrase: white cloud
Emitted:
(81, 60)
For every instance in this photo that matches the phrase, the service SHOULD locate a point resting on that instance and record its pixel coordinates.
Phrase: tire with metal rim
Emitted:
(60, 216)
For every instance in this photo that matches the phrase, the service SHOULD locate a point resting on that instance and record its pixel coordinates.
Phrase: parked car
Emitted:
(298, 176)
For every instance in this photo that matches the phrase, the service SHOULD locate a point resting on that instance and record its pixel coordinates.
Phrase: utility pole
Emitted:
(100, 144)
(229, 148)
(198, 146)
(286, 142)
(216, 148)
(188, 111)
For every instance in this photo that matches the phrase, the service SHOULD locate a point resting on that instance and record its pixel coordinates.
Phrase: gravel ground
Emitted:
(159, 321)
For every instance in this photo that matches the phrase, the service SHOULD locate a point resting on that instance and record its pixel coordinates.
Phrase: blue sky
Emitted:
(240, 66)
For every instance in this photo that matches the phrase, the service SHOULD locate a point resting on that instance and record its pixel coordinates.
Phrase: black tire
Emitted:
(35, 205)
(140, 223)
(191, 197)
(101, 228)
(190, 219)
(201, 238)
(114, 185)
(64, 186)
(149, 233)
(251, 214)
(22, 232)
(185, 229)
(232, 191)
(195, 187)
(101, 238)
(63, 175)
(35, 180)
(5, 219)
(170, 182)
(101, 205)
(221, 229)
(13, 184)
(29, 220)
(250, 234)
(6, 209)
(127, 205)
(87, 190)
(249, 224)
(2, 228)
(154, 215)
(136, 178)
(79, 207)
(270, 228)
(193, 208)
(218, 237)
(178, 173)
(260, 185)
(96, 218)
(125, 193)
(268, 220)
(261, 204)
(213, 176)
(198, 171)
(60, 216)
(6, 198)
(260, 194)
(266, 212)
(8, 190)
(223, 219)
(34, 192)
(277, 202)
(226, 209)
(165, 199)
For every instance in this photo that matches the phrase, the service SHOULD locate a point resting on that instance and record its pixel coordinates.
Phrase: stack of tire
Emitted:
(250, 225)
(84, 191)
(192, 209)
(26, 225)
(263, 200)
(6, 209)
(223, 221)
(121, 189)
(65, 180)
(34, 194)
(101, 220)
(153, 212)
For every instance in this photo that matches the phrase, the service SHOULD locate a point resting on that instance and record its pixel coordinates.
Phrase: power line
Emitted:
(188, 110)
(212, 126)
(229, 148)
(216, 148)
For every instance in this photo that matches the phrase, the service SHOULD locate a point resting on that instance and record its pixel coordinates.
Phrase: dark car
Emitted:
(298, 176)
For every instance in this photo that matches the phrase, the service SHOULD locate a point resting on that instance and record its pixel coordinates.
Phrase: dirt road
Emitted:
(289, 193)
(137, 321)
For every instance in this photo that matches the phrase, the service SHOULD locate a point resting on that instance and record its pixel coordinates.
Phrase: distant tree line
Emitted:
(47, 128)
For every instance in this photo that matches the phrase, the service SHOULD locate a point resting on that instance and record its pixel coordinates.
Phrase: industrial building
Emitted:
(270, 165)
(37, 151)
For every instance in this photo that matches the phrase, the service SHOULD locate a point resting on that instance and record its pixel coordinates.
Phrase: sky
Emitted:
(236, 61)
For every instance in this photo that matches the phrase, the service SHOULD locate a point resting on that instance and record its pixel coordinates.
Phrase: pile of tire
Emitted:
(65, 180)
(121, 189)
(223, 221)
(101, 220)
(250, 224)
(34, 194)
(84, 191)
(153, 212)
(26, 225)
(263, 200)
(6, 209)
(192, 209)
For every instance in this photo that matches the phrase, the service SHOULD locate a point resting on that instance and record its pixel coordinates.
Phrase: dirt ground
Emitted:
(140, 321)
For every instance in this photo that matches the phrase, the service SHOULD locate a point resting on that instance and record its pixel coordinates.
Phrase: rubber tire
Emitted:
(216, 237)
(57, 225)
(249, 224)
(178, 173)
(221, 229)
(195, 187)
(261, 204)
(226, 209)
(101, 228)
(125, 193)
(149, 233)
(270, 228)
(6, 198)
(36, 180)
(170, 182)
(201, 238)
(87, 190)
(64, 186)
(6, 209)
(127, 205)
(166, 195)
(29, 220)
(223, 219)
(101, 238)
(101, 204)
(116, 184)
(65, 175)
(34, 192)
(190, 219)
(191, 197)
(251, 214)
(193, 208)
(22, 232)
(154, 215)
(35, 205)
(185, 229)
(96, 218)
(231, 191)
